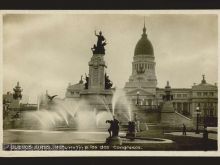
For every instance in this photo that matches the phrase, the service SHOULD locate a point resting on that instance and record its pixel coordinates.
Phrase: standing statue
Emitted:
(114, 127)
(81, 81)
(114, 139)
(168, 96)
(131, 126)
(87, 81)
(108, 83)
(101, 38)
(131, 134)
(99, 47)
(110, 130)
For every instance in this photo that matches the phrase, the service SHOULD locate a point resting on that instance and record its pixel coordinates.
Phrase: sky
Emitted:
(48, 51)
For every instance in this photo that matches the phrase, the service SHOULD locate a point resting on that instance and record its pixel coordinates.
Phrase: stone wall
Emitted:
(175, 120)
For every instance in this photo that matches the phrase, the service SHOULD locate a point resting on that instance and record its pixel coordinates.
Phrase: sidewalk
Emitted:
(212, 136)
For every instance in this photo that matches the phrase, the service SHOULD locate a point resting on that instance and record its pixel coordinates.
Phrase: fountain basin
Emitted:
(69, 137)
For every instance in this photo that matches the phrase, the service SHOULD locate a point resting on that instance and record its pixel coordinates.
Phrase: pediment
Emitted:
(140, 90)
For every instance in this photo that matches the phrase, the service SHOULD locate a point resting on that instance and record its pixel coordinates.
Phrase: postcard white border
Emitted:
(100, 153)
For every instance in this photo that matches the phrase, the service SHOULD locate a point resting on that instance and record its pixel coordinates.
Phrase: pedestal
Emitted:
(114, 140)
(97, 73)
(131, 135)
(167, 114)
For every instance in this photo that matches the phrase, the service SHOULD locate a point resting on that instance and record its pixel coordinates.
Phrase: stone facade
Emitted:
(96, 73)
(143, 67)
(95, 94)
(143, 92)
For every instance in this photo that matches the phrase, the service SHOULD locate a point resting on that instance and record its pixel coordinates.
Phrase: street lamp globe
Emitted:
(197, 120)
(138, 97)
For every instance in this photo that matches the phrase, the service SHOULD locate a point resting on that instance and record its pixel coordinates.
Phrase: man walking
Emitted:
(184, 129)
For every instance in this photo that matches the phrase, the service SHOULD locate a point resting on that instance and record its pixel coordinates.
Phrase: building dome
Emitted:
(144, 46)
(204, 85)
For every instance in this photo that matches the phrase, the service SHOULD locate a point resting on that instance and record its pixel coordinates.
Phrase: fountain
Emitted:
(120, 103)
(84, 112)
(113, 130)
(120, 98)
(131, 130)
(121, 107)
(78, 122)
(63, 114)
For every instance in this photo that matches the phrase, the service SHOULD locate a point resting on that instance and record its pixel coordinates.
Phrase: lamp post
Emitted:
(197, 120)
(138, 93)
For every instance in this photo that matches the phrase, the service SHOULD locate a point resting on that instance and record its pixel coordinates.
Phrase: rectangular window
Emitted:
(205, 93)
(199, 94)
(211, 112)
(185, 95)
(211, 94)
(178, 95)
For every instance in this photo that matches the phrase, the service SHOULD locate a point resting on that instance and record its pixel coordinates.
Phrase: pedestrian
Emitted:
(184, 129)
(205, 138)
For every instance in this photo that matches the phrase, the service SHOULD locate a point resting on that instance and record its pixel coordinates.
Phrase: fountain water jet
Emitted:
(80, 115)
(68, 113)
(119, 99)
(101, 118)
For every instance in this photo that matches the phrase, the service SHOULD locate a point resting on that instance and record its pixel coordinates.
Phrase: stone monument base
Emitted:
(167, 107)
(114, 140)
(167, 114)
(131, 135)
(168, 119)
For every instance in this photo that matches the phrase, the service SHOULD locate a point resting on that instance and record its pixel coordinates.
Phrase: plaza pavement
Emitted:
(212, 136)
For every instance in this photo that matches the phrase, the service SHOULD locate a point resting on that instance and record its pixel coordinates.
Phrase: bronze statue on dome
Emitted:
(99, 47)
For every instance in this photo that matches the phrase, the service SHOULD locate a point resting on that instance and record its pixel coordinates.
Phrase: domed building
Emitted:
(147, 100)
(144, 46)
(143, 79)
